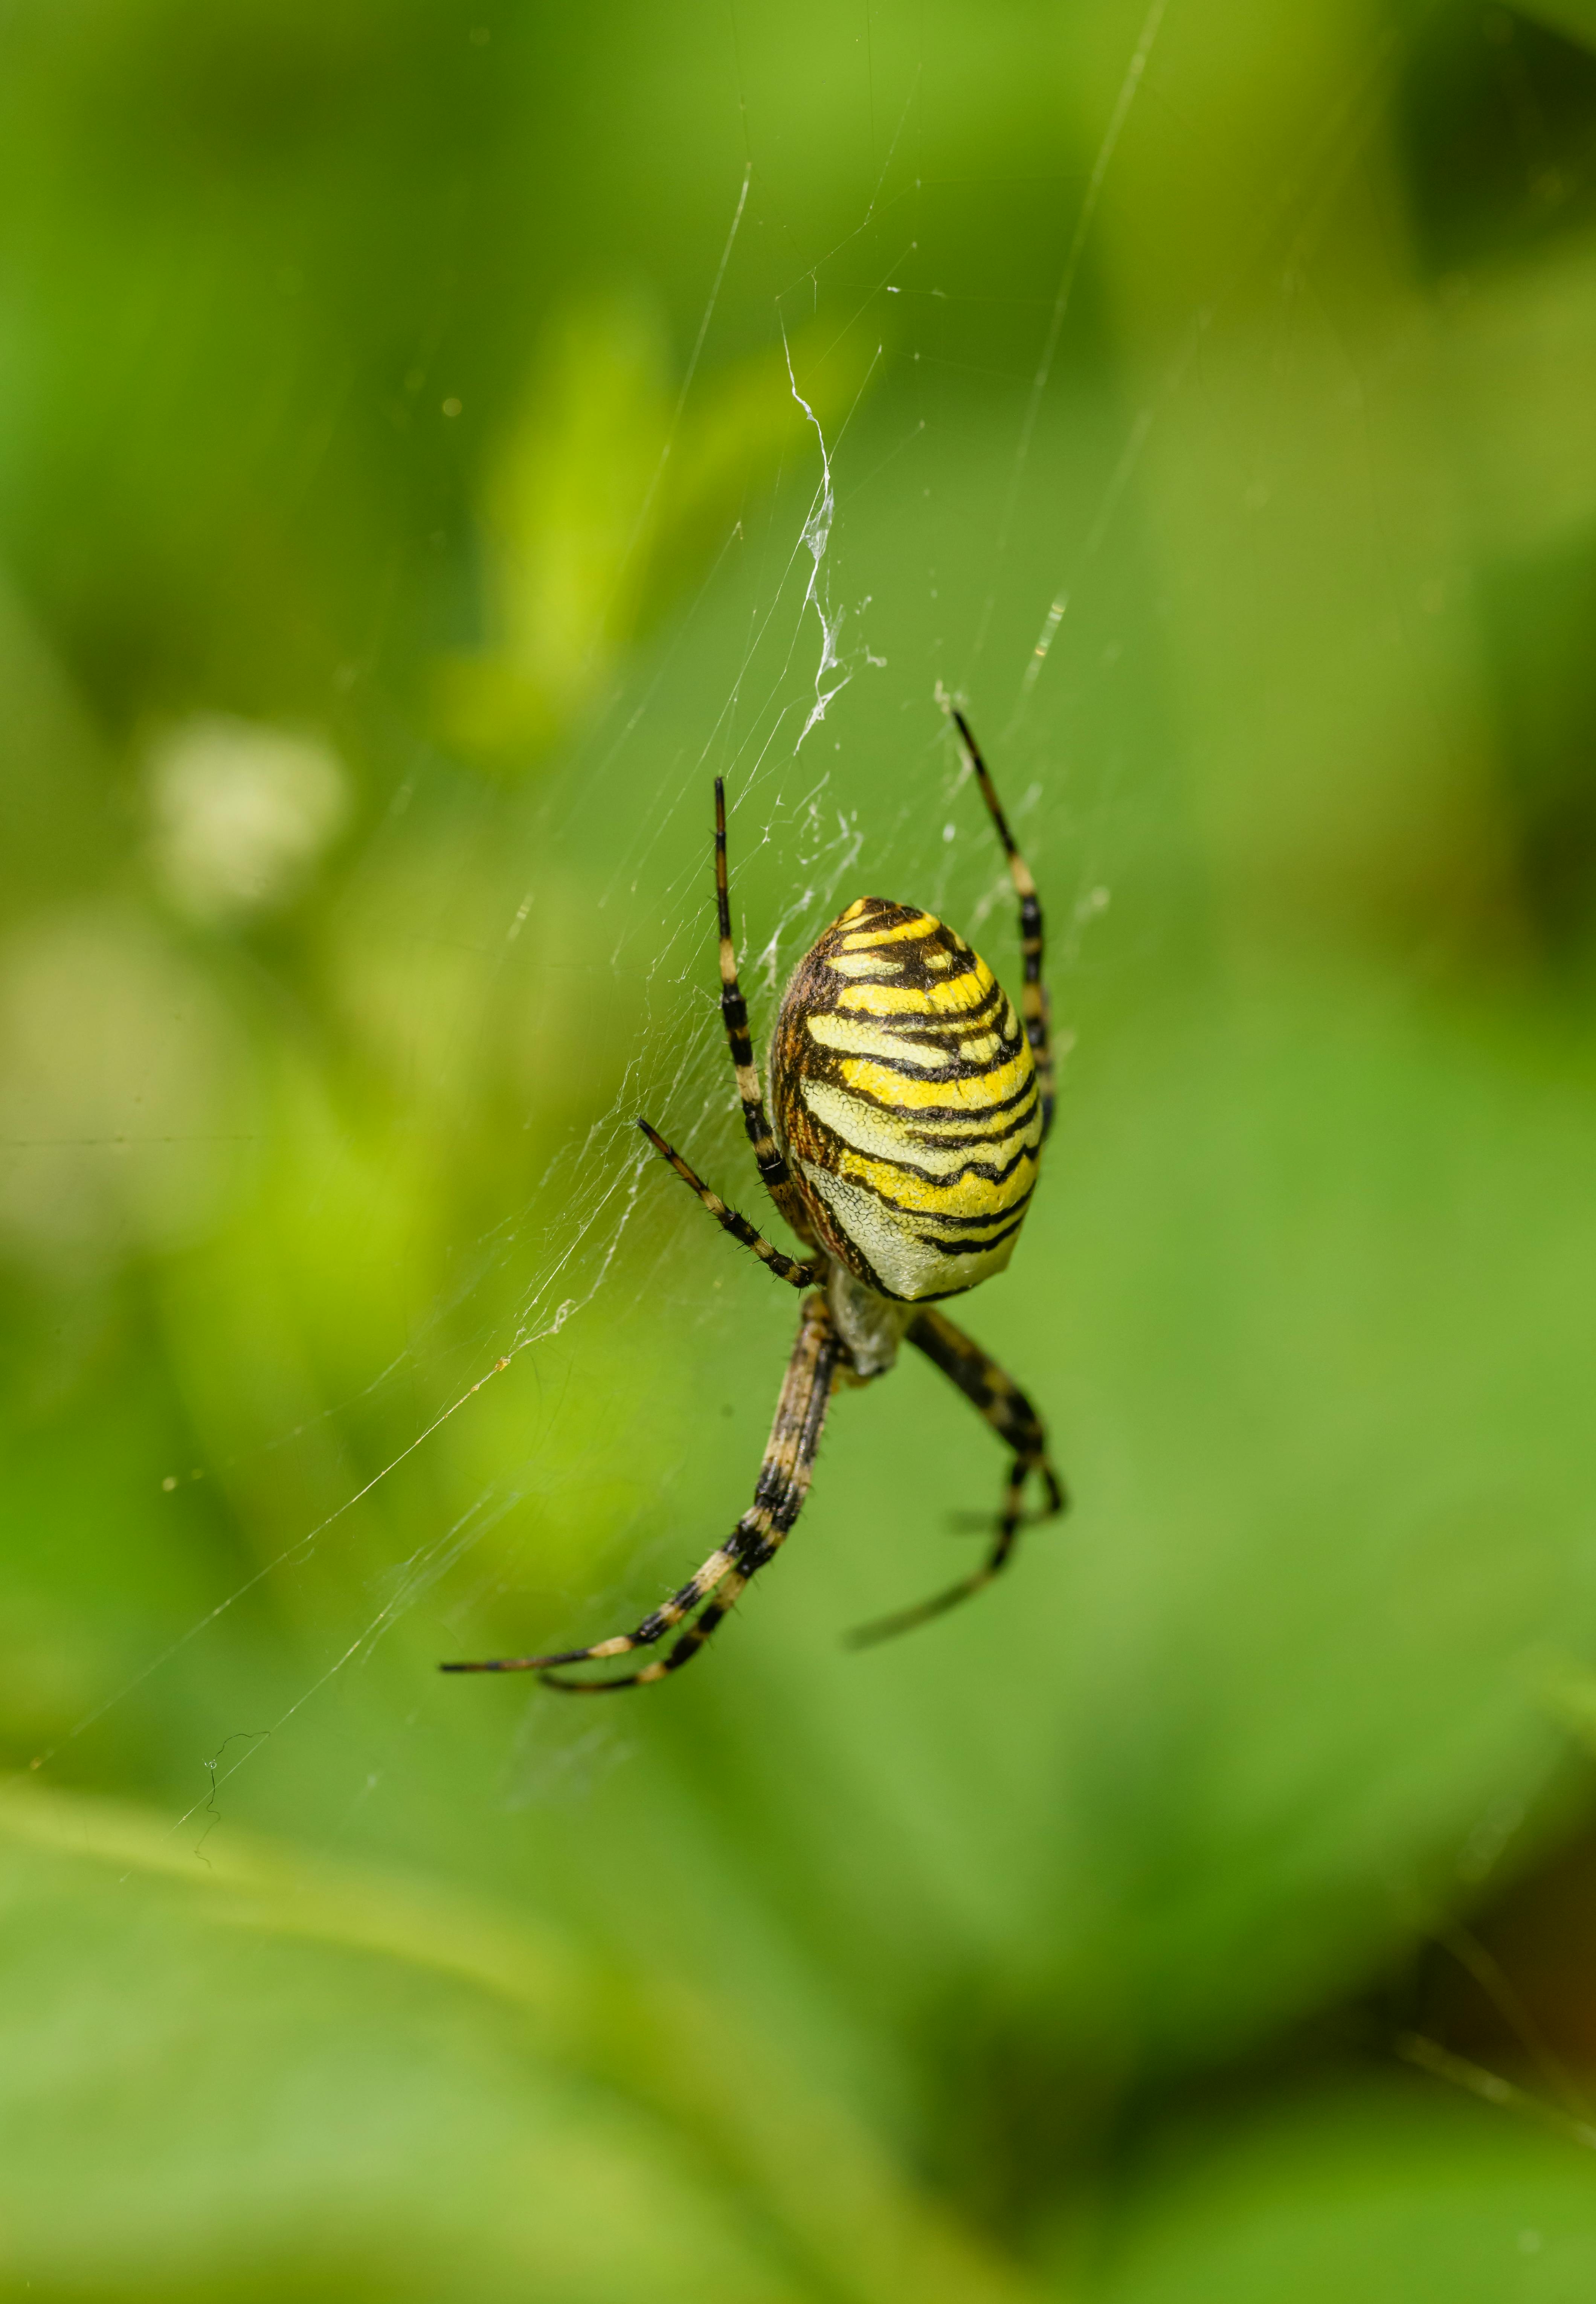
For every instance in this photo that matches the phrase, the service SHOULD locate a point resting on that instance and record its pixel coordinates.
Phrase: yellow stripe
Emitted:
(889, 1136)
(971, 1127)
(971, 1196)
(852, 1038)
(889, 1087)
(857, 1037)
(950, 998)
(865, 963)
(923, 924)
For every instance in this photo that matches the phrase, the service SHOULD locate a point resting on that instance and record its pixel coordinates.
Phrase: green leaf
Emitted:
(1575, 18)
(287, 2079)
(1394, 2192)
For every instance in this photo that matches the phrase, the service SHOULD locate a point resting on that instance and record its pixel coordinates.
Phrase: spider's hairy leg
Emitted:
(779, 1496)
(1033, 1000)
(773, 1171)
(1017, 1425)
(696, 1589)
(800, 1276)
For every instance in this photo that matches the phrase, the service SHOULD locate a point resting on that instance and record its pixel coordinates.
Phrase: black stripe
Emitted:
(908, 1214)
(922, 1028)
(944, 1041)
(969, 1247)
(946, 1111)
(922, 991)
(861, 1264)
(950, 1067)
(928, 1215)
(934, 1051)
(963, 1020)
(961, 959)
(688, 1647)
(936, 1176)
(745, 1537)
(1013, 1211)
(935, 1140)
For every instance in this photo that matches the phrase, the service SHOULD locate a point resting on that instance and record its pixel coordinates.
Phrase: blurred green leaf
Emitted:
(610, 493)
(1577, 18)
(345, 2086)
(1524, 346)
(1381, 2192)
(54, 834)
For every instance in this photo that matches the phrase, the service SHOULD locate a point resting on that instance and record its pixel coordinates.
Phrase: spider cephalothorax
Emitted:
(909, 1109)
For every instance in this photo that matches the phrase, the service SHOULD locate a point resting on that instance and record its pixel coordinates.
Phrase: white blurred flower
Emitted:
(123, 1092)
(243, 814)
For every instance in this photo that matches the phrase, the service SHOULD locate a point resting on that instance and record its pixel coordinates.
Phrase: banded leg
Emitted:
(773, 1172)
(800, 1276)
(779, 1496)
(1019, 1427)
(1033, 1000)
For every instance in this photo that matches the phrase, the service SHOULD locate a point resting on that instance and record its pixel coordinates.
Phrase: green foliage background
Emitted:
(1207, 1913)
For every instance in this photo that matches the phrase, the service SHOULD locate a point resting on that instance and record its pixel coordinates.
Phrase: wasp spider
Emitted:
(908, 1110)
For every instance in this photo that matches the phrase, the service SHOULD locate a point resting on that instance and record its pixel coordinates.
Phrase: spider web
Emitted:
(572, 1406)
(795, 610)
(809, 666)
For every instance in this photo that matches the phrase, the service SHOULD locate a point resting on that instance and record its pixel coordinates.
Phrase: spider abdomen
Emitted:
(905, 1098)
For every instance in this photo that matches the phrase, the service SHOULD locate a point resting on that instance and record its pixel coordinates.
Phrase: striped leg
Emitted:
(1033, 1000)
(800, 1276)
(777, 1499)
(1017, 1425)
(773, 1171)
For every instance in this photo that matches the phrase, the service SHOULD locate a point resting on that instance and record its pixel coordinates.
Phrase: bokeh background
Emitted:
(435, 440)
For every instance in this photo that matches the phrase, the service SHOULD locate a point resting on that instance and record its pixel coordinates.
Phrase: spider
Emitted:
(910, 1115)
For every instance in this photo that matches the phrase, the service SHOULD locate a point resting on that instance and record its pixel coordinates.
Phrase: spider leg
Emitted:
(1017, 1425)
(1033, 1000)
(800, 1276)
(783, 1483)
(773, 1172)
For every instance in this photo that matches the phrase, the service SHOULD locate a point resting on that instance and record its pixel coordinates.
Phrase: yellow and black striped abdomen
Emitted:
(905, 1098)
